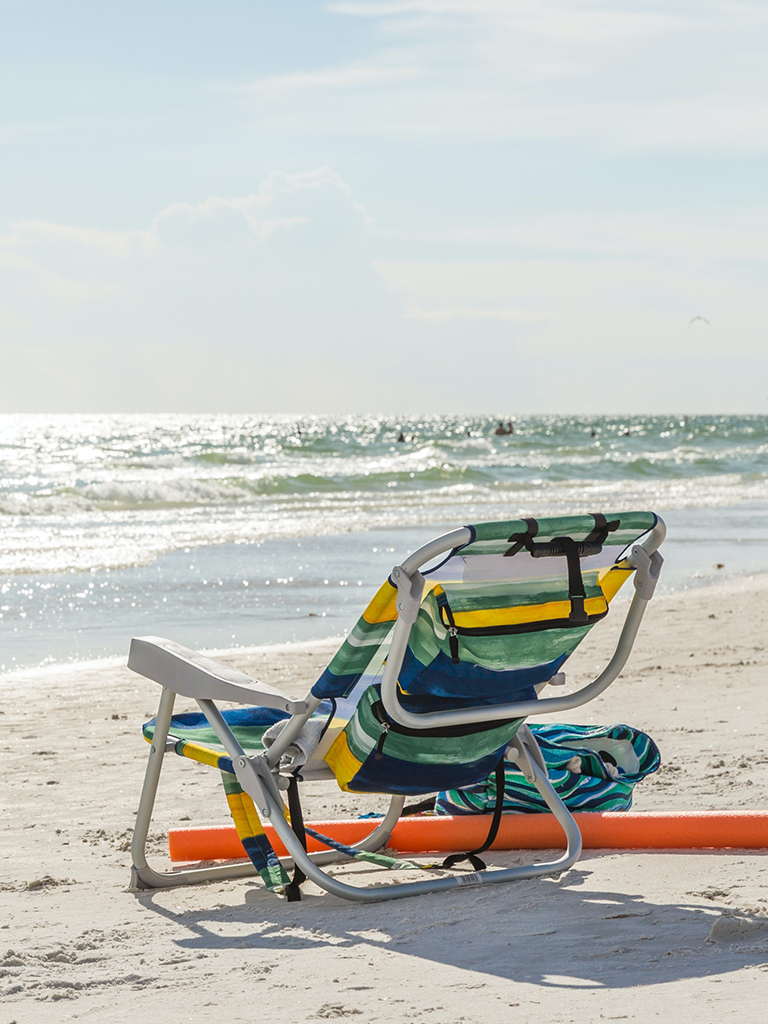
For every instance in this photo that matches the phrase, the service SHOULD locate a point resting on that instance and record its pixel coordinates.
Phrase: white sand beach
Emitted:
(624, 936)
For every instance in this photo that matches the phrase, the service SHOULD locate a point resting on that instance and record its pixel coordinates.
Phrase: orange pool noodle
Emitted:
(628, 830)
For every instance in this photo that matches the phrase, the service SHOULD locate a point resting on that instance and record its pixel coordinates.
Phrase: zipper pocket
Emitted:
(388, 726)
(454, 631)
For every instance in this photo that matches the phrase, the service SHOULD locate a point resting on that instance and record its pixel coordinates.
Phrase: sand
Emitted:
(623, 936)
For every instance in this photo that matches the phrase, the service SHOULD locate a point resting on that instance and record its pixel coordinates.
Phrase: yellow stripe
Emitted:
(342, 761)
(382, 607)
(526, 613)
(254, 821)
(610, 580)
(245, 824)
(202, 754)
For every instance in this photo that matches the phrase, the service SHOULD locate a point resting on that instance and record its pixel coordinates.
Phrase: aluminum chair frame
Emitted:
(179, 670)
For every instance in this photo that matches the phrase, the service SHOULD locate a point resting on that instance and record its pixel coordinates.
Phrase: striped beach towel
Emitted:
(593, 768)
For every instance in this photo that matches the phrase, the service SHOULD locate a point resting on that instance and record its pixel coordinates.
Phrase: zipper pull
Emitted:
(453, 643)
(382, 738)
(453, 633)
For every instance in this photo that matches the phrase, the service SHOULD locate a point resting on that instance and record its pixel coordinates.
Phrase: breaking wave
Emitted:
(102, 491)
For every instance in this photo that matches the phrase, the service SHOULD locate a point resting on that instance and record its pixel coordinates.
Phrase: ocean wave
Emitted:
(108, 491)
(61, 505)
(92, 539)
(443, 483)
(234, 458)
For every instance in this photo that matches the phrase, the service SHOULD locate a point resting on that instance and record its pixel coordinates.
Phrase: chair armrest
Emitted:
(192, 675)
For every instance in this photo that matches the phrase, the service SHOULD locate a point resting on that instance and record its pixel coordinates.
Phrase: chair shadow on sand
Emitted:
(539, 931)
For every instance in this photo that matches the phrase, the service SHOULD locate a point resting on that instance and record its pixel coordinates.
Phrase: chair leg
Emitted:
(525, 751)
(144, 876)
(527, 756)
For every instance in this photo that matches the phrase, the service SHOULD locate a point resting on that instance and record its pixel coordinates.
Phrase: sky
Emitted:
(393, 206)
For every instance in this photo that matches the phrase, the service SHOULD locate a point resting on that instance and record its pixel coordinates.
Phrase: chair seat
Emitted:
(195, 738)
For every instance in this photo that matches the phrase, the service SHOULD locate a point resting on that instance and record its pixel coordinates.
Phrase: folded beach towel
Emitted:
(593, 768)
(303, 745)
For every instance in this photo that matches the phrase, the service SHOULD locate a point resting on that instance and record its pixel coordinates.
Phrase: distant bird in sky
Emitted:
(702, 318)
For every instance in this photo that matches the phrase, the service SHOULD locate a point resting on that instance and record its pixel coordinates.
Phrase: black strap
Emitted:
(576, 591)
(422, 805)
(573, 551)
(471, 856)
(602, 529)
(293, 890)
(593, 541)
(522, 540)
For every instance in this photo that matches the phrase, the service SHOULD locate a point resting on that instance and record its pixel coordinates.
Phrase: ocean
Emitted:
(232, 530)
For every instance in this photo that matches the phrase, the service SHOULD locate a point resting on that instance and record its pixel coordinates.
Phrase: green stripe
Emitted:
(351, 659)
(249, 737)
(364, 732)
(493, 538)
(501, 653)
(470, 597)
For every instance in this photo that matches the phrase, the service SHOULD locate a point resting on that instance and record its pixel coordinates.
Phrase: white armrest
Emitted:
(190, 674)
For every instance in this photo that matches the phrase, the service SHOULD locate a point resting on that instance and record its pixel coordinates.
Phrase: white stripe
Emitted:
(369, 641)
(498, 569)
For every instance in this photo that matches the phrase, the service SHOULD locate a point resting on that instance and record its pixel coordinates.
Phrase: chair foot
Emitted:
(136, 882)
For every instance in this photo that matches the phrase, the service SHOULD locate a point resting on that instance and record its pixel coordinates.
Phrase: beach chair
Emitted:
(430, 691)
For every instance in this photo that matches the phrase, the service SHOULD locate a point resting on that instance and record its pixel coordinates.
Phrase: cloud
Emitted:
(30, 233)
(617, 76)
(544, 18)
(182, 222)
(709, 122)
(260, 214)
(60, 286)
(734, 235)
(604, 308)
(260, 301)
(13, 323)
(13, 133)
(282, 202)
(473, 313)
(333, 78)
(67, 261)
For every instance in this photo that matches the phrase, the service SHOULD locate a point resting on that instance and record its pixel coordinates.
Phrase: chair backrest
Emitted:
(500, 614)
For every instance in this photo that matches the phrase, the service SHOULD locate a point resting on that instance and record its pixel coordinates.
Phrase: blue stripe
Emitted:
(255, 851)
(442, 678)
(391, 775)
(241, 718)
(329, 685)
